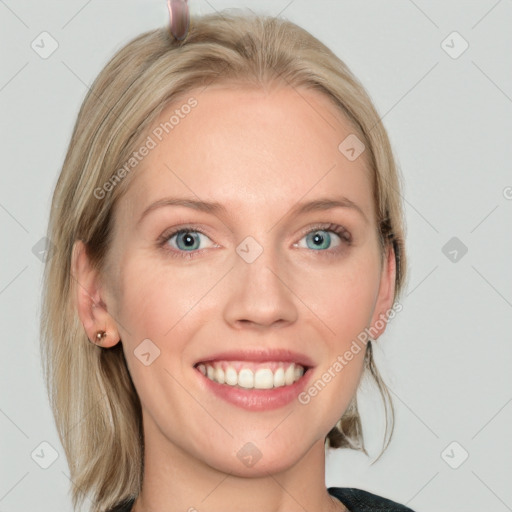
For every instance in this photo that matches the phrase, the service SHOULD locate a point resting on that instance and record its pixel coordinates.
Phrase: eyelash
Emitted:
(333, 228)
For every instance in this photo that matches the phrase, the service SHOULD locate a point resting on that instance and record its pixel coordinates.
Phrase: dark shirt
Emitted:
(356, 500)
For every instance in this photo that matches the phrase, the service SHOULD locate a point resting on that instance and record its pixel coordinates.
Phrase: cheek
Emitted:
(157, 303)
(155, 297)
(342, 296)
(344, 304)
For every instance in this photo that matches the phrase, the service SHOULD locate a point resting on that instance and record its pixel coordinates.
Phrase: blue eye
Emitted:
(321, 239)
(187, 240)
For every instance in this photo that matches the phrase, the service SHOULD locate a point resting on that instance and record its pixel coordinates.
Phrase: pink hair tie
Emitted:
(180, 18)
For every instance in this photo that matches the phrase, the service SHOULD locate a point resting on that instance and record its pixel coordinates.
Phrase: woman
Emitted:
(228, 238)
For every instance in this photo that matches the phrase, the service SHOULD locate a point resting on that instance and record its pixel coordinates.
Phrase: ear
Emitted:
(88, 298)
(385, 295)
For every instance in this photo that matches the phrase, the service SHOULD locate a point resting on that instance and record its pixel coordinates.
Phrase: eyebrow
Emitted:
(321, 204)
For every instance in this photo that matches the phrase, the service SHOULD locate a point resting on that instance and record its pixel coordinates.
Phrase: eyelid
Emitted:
(173, 231)
(185, 229)
(338, 229)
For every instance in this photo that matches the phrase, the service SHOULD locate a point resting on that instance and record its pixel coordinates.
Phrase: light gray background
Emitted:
(446, 356)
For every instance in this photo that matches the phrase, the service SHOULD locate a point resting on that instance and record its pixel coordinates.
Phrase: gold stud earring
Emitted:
(100, 335)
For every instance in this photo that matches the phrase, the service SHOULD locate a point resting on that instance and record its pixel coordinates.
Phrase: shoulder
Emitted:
(357, 500)
(125, 506)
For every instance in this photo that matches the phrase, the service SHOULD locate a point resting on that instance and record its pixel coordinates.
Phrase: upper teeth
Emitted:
(264, 377)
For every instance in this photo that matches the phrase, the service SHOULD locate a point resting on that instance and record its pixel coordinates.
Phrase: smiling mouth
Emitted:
(252, 375)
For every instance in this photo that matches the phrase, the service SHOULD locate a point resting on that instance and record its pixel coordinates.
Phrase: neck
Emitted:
(176, 481)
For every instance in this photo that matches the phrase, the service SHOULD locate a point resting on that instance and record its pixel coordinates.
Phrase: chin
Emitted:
(258, 458)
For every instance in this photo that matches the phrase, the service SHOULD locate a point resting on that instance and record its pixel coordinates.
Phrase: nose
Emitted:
(261, 294)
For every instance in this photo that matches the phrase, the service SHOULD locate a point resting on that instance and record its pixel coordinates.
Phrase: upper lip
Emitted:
(259, 355)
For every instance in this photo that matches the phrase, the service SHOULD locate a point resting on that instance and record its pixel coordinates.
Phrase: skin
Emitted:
(257, 151)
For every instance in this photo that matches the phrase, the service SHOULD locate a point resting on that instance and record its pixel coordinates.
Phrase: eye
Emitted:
(321, 238)
(184, 240)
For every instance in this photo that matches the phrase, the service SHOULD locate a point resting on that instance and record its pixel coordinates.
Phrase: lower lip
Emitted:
(257, 399)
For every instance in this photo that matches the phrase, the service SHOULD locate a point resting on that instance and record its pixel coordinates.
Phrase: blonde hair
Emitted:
(94, 402)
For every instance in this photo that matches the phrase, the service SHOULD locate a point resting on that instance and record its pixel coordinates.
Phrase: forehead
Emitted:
(248, 148)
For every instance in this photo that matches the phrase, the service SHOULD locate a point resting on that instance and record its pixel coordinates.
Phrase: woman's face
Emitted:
(273, 275)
